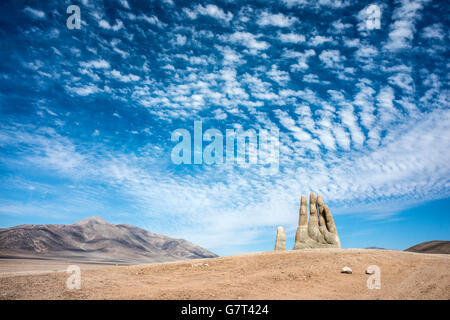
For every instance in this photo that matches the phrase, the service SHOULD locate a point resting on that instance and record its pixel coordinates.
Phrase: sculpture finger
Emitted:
(301, 236)
(313, 217)
(303, 219)
(321, 211)
(280, 242)
(329, 220)
(313, 223)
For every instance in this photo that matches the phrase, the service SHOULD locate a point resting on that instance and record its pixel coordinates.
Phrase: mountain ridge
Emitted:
(94, 239)
(435, 246)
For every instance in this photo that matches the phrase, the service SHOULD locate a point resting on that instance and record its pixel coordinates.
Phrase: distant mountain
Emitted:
(95, 240)
(431, 247)
(376, 248)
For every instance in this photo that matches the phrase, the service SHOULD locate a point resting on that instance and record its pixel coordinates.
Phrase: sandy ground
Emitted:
(308, 274)
(14, 267)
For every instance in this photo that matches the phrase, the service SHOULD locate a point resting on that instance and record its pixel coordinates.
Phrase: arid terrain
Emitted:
(302, 274)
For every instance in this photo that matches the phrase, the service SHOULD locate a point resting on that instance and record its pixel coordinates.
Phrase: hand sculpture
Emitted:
(320, 231)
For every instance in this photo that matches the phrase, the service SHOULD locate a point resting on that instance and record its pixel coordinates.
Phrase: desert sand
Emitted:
(32, 266)
(302, 274)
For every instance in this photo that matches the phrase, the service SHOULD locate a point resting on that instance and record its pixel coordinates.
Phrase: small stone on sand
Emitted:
(346, 270)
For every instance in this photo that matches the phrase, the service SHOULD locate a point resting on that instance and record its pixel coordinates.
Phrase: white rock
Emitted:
(346, 270)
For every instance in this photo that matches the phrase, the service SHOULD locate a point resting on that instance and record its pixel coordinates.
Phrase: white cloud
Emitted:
(248, 40)
(152, 20)
(219, 114)
(190, 13)
(339, 26)
(366, 55)
(278, 20)
(366, 51)
(342, 137)
(125, 4)
(365, 101)
(277, 75)
(124, 78)
(96, 64)
(435, 31)
(402, 29)
(386, 109)
(332, 59)
(179, 40)
(105, 25)
(285, 120)
(316, 3)
(210, 10)
(312, 78)
(83, 90)
(230, 56)
(258, 88)
(114, 44)
(319, 40)
(349, 119)
(302, 64)
(291, 37)
(351, 43)
(402, 80)
(34, 13)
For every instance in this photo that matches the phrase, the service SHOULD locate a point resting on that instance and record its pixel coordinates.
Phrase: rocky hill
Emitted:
(431, 247)
(95, 240)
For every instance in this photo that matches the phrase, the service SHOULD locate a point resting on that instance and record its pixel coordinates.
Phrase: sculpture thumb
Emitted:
(280, 242)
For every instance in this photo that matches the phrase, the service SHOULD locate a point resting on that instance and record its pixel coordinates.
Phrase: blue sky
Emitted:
(363, 116)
